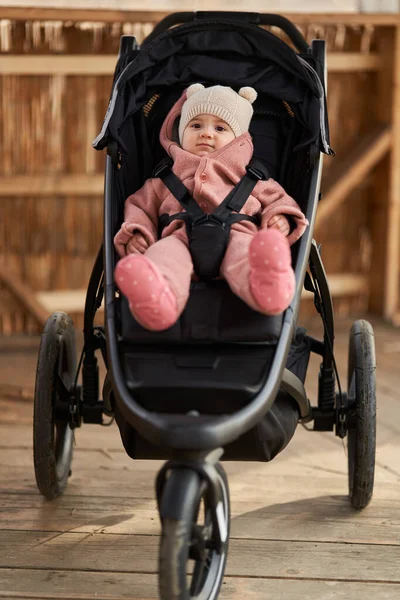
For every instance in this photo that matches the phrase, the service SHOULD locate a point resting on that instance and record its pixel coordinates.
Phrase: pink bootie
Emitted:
(272, 281)
(151, 300)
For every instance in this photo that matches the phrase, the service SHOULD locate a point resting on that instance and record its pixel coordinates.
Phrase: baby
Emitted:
(211, 157)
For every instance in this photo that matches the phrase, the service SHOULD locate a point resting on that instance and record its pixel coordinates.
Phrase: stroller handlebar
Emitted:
(248, 17)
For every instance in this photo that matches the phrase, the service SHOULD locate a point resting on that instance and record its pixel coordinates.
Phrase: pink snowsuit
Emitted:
(209, 180)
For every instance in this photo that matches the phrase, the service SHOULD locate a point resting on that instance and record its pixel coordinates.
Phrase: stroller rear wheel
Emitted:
(52, 435)
(361, 437)
(192, 537)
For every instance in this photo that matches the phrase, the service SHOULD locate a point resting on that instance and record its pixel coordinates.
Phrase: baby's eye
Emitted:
(220, 128)
(196, 125)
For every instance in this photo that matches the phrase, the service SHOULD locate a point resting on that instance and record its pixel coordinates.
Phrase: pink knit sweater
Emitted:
(209, 180)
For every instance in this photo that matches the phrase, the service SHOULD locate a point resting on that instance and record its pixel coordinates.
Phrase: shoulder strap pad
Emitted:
(164, 165)
(178, 189)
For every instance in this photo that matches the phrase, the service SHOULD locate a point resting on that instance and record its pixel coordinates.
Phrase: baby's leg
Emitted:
(258, 270)
(157, 283)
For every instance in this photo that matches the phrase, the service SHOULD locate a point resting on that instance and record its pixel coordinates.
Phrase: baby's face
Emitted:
(205, 134)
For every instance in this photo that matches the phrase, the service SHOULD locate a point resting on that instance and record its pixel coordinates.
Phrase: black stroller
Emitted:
(224, 382)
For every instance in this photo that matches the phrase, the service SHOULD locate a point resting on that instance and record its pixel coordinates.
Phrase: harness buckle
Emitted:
(206, 218)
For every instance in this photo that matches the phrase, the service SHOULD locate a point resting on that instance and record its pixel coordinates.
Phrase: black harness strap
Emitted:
(237, 198)
(178, 189)
(255, 171)
(208, 234)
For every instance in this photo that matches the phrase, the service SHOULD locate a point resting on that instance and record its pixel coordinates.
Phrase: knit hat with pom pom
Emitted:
(220, 101)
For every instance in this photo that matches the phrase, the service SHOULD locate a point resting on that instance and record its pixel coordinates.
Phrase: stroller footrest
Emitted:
(207, 379)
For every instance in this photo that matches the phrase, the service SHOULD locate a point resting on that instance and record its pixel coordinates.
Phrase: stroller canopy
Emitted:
(217, 52)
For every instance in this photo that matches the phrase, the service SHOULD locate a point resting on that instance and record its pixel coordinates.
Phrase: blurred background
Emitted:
(56, 69)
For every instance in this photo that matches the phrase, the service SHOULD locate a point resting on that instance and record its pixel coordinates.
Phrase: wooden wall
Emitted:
(55, 80)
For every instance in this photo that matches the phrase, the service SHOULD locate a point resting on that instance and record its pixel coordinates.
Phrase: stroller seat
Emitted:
(213, 314)
(213, 361)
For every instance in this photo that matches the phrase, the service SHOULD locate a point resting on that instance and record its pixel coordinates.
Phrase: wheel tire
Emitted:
(361, 436)
(53, 439)
(176, 540)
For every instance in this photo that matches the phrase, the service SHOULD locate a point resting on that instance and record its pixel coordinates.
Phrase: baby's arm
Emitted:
(277, 208)
(139, 229)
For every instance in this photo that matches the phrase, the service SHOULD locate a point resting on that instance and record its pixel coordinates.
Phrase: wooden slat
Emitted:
(75, 14)
(346, 62)
(383, 213)
(249, 520)
(28, 584)
(377, 213)
(347, 176)
(64, 64)
(56, 184)
(69, 301)
(94, 476)
(89, 64)
(259, 558)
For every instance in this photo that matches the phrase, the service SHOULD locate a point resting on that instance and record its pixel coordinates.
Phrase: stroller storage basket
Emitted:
(208, 381)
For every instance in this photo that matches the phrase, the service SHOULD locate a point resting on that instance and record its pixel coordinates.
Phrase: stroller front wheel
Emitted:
(361, 436)
(189, 536)
(52, 435)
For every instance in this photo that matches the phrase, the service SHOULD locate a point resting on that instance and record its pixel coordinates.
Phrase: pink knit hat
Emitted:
(221, 101)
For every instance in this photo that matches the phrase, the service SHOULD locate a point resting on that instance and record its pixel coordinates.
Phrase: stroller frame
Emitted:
(194, 472)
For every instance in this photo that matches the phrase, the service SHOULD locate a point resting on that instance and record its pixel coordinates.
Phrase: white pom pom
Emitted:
(192, 89)
(248, 93)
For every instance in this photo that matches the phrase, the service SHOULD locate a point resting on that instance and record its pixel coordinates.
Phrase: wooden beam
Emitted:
(344, 284)
(392, 255)
(104, 64)
(154, 16)
(70, 301)
(55, 184)
(79, 15)
(347, 176)
(61, 64)
(345, 62)
(384, 206)
(25, 295)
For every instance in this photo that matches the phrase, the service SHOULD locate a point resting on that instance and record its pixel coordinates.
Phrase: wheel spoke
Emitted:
(198, 577)
(197, 545)
(61, 389)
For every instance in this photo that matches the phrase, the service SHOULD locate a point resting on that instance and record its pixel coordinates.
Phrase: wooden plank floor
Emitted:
(294, 535)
